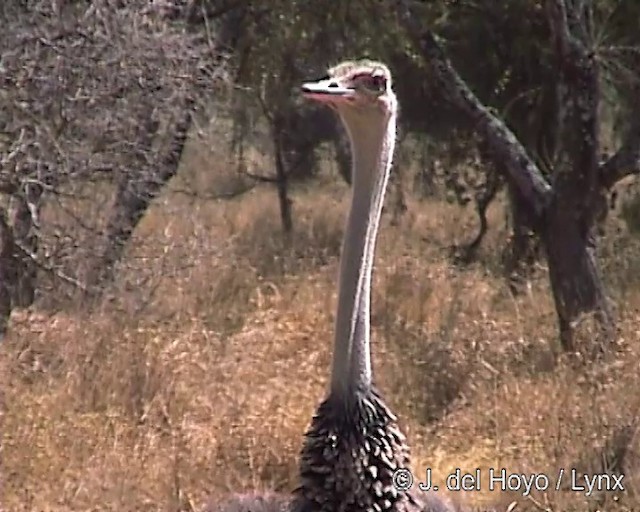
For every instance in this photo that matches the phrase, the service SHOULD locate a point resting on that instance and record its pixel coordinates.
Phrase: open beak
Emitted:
(326, 91)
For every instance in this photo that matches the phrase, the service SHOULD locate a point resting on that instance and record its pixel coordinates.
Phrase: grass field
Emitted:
(200, 375)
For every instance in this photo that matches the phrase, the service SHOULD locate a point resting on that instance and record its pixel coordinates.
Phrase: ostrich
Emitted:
(354, 445)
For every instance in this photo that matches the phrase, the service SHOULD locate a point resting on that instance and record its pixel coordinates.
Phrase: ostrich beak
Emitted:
(327, 91)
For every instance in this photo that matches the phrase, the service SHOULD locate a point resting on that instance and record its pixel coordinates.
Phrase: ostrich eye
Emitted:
(375, 83)
(378, 82)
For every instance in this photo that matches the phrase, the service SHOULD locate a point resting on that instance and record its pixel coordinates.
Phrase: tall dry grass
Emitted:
(200, 375)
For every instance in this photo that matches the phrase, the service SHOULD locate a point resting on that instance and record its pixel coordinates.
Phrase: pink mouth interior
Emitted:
(327, 97)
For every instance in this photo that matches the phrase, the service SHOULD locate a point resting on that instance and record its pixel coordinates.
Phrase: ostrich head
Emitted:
(360, 89)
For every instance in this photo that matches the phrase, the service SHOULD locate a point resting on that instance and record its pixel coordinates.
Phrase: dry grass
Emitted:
(201, 376)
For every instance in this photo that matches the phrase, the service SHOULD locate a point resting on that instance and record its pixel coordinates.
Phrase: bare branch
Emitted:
(625, 162)
(51, 269)
(258, 177)
(232, 194)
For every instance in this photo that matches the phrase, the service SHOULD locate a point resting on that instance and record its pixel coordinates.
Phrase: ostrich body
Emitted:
(354, 445)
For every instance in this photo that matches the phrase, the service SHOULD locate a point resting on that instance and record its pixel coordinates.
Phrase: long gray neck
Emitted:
(372, 145)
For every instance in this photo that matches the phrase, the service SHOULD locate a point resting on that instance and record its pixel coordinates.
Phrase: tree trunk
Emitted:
(425, 178)
(574, 274)
(8, 272)
(343, 154)
(399, 205)
(469, 252)
(23, 208)
(570, 238)
(522, 250)
(131, 201)
(134, 194)
(282, 178)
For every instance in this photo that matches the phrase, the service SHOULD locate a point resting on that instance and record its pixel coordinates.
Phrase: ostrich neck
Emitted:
(372, 145)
